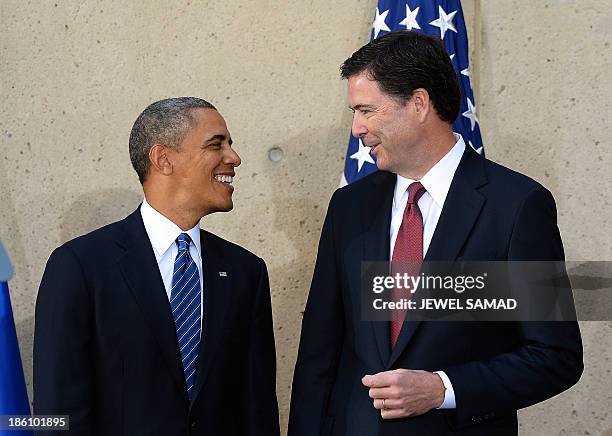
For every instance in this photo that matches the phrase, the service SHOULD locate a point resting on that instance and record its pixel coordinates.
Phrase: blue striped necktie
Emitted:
(185, 302)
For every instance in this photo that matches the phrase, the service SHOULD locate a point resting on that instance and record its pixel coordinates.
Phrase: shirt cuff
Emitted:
(449, 393)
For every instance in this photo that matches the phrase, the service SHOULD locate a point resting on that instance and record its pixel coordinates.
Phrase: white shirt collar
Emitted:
(163, 232)
(438, 179)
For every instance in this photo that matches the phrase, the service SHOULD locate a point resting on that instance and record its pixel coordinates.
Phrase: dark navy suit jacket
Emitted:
(105, 347)
(490, 213)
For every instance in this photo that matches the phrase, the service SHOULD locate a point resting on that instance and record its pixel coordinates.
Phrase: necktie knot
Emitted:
(415, 192)
(183, 242)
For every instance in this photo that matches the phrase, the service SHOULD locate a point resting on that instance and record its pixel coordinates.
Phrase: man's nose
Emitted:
(358, 128)
(232, 158)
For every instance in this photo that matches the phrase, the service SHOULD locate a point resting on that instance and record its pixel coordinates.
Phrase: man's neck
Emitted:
(184, 218)
(428, 155)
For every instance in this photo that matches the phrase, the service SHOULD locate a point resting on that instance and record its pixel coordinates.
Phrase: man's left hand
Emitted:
(405, 392)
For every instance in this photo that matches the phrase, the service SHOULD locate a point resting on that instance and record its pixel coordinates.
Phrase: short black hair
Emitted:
(163, 122)
(403, 61)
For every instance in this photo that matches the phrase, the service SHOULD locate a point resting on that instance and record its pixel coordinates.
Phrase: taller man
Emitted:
(436, 199)
(151, 326)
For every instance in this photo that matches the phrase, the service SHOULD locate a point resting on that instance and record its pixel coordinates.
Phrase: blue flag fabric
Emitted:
(441, 18)
(13, 393)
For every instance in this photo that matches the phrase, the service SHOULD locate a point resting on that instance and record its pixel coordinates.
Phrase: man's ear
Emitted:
(422, 104)
(158, 157)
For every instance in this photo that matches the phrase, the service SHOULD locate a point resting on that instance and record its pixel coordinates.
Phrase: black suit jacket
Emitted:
(105, 346)
(490, 213)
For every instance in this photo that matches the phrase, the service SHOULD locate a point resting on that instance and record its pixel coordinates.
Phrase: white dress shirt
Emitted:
(163, 233)
(437, 182)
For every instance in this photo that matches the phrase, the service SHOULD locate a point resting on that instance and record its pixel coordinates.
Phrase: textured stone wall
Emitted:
(74, 76)
(545, 76)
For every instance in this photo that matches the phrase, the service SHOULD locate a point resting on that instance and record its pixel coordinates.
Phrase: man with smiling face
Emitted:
(152, 326)
(434, 199)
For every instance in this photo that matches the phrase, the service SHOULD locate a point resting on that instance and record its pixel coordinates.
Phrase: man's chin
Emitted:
(220, 208)
(380, 164)
(225, 207)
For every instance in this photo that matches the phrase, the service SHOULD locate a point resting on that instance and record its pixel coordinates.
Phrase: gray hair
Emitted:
(164, 122)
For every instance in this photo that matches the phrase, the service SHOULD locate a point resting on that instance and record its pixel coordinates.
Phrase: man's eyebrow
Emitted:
(219, 138)
(361, 106)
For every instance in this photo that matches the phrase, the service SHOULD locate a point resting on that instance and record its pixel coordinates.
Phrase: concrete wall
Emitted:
(545, 84)
(74, 75)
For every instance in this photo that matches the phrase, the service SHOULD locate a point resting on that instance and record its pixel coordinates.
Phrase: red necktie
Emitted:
(408, 248)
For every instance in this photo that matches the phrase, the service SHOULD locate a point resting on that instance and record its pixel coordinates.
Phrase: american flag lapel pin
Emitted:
(222, 274)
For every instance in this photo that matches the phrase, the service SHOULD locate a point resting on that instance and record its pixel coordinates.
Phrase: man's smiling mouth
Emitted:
(224, 179)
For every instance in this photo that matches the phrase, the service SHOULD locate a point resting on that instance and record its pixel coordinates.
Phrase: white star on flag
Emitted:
(444, 22)
(362, 155)
(410, 21)
(470, 114)
(466, 72)
(379, 23)
(478, 150)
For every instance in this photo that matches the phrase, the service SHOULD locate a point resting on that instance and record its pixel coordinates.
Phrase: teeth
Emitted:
(224, 179)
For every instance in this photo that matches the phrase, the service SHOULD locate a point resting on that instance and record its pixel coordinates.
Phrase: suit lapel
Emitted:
(217, 296)
(139, 268)
(461, 210)
(376, 222)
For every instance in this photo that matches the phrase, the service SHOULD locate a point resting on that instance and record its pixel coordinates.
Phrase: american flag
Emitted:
(441, 18)
(13, 393)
